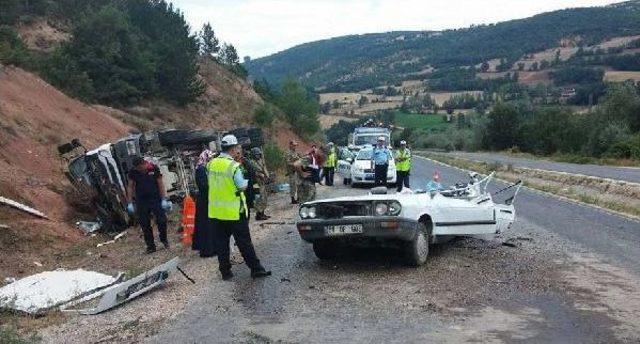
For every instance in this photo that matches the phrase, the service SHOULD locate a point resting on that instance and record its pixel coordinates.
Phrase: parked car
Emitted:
(359, 169)
(409, 221)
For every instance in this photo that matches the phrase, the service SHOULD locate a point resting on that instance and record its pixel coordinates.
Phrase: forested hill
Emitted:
(363, 61)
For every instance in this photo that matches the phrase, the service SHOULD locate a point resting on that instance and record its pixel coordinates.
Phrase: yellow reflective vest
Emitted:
(226, 201)
(403, 166)
(332, 159)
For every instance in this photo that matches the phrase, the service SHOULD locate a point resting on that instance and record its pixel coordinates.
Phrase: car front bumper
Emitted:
(378, 227)
(364, 178)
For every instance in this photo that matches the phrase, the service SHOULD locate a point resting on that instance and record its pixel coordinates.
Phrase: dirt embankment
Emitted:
(34, 119)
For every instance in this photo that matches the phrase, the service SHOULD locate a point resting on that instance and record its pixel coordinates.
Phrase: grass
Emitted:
(420, 121)
(577, 159)
(8, 335)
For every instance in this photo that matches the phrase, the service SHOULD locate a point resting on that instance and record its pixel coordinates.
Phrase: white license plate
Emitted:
(343, 229)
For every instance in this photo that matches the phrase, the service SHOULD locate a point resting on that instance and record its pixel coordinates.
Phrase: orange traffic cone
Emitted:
(188, 220)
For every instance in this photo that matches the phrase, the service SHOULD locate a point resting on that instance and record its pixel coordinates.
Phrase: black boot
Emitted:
(294, 201)
(150, 249)
(226, 275)
(260, 216)
(260, 272)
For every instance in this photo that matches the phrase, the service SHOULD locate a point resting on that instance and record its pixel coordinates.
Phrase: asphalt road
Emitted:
(572, 277)
(630, 174)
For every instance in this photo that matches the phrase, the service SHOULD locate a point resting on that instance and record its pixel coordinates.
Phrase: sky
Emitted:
(259, 28)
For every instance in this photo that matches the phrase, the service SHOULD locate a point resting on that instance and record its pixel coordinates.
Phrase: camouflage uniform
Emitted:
(262, 176)
(306, 186)
(291, 158)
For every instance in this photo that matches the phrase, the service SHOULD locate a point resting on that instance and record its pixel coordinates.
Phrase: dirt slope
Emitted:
(34, 119)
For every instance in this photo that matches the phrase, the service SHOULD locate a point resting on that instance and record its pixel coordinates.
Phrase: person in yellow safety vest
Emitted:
(403, 165)
(228, 209)
(330, 163)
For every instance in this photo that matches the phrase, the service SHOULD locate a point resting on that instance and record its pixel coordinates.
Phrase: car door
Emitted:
(459, 216)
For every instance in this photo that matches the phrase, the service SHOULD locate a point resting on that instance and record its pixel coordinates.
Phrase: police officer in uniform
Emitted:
(330, 163)
(228, 209)
(146, 187)
(403, 165)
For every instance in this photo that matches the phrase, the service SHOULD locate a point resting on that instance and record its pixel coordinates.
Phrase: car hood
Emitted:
(364, 164)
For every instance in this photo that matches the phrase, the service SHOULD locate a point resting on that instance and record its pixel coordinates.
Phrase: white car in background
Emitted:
(358, 168)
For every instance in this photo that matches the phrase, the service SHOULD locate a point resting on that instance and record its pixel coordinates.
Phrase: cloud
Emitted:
(262, 27)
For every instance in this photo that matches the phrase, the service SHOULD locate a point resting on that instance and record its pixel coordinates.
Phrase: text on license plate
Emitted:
(343, 229)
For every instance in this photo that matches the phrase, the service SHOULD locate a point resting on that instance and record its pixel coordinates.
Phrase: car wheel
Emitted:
(345, 181)
(324, 250)
(417, 250)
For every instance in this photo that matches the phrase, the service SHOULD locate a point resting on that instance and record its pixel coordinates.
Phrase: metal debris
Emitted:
(20, 206)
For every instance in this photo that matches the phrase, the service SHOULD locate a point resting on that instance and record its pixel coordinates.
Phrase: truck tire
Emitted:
(324, 250)
(417, 250)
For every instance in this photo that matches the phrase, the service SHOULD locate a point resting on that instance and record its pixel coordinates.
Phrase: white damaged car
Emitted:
(409, 221)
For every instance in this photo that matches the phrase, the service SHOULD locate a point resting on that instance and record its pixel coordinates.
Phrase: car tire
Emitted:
(324, 250)
(345, 181)
(417, 250)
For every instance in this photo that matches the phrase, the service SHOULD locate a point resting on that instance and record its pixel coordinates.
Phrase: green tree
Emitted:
(12, 49)
(299, 107)
(264, 115)
(209, 43)
(503, 126)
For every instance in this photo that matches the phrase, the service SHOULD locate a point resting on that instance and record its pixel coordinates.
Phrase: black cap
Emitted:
(137, 161)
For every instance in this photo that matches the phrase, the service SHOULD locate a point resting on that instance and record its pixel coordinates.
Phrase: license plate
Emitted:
(344, 229)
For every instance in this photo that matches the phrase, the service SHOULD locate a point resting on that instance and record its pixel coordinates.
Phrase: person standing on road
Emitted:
(315, 164)
(261, 183)
(403, 165)
(330, 163)
(203, 239)
(306, 179)
(381, 157)
(291, 157)
(146, 189)
(228, 209)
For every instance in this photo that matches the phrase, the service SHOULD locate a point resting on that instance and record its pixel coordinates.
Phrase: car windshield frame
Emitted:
(365, 154)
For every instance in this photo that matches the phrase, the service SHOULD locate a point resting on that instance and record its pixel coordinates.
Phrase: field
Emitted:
(615, 76)
(419, 121)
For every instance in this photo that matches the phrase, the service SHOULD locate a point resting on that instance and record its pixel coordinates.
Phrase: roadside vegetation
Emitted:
(609, 131)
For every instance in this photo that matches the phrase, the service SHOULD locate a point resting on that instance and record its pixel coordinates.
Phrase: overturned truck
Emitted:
(101, 173)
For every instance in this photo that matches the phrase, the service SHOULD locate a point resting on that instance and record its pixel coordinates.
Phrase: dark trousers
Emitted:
(240, 230)
(381, 175)
(328, 172)
(402, 179)
(144, 211)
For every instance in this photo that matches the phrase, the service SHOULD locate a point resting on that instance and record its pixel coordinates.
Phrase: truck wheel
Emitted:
(417, 250)
(324, 250)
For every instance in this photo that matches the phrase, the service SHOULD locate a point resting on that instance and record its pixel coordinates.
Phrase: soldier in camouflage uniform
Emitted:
(261, 183)
(306, 182)
(291, 157)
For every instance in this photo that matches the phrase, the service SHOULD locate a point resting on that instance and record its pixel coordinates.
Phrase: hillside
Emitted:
(359, 62)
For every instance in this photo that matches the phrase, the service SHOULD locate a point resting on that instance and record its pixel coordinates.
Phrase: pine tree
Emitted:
(209, 43)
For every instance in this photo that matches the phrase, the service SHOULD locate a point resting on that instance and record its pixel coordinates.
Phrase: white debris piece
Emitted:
(22, 207)
(50, 288)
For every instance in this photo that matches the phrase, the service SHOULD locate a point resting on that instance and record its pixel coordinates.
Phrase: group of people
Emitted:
(381, 157)
(230, 184)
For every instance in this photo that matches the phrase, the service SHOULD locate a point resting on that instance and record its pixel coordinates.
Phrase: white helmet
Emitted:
(403, 142)
(382, 138)
(229, 141)
(330, 143)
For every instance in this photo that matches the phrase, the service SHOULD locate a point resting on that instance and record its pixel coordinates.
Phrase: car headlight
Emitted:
(395, 208)
(312, 212)
(304, 212)
(381, 209)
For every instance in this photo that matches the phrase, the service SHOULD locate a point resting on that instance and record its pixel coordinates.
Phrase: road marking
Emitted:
(597, 208)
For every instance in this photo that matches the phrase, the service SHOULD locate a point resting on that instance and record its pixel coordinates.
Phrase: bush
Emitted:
(274, 157)
(264, 115)
(12, 49)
